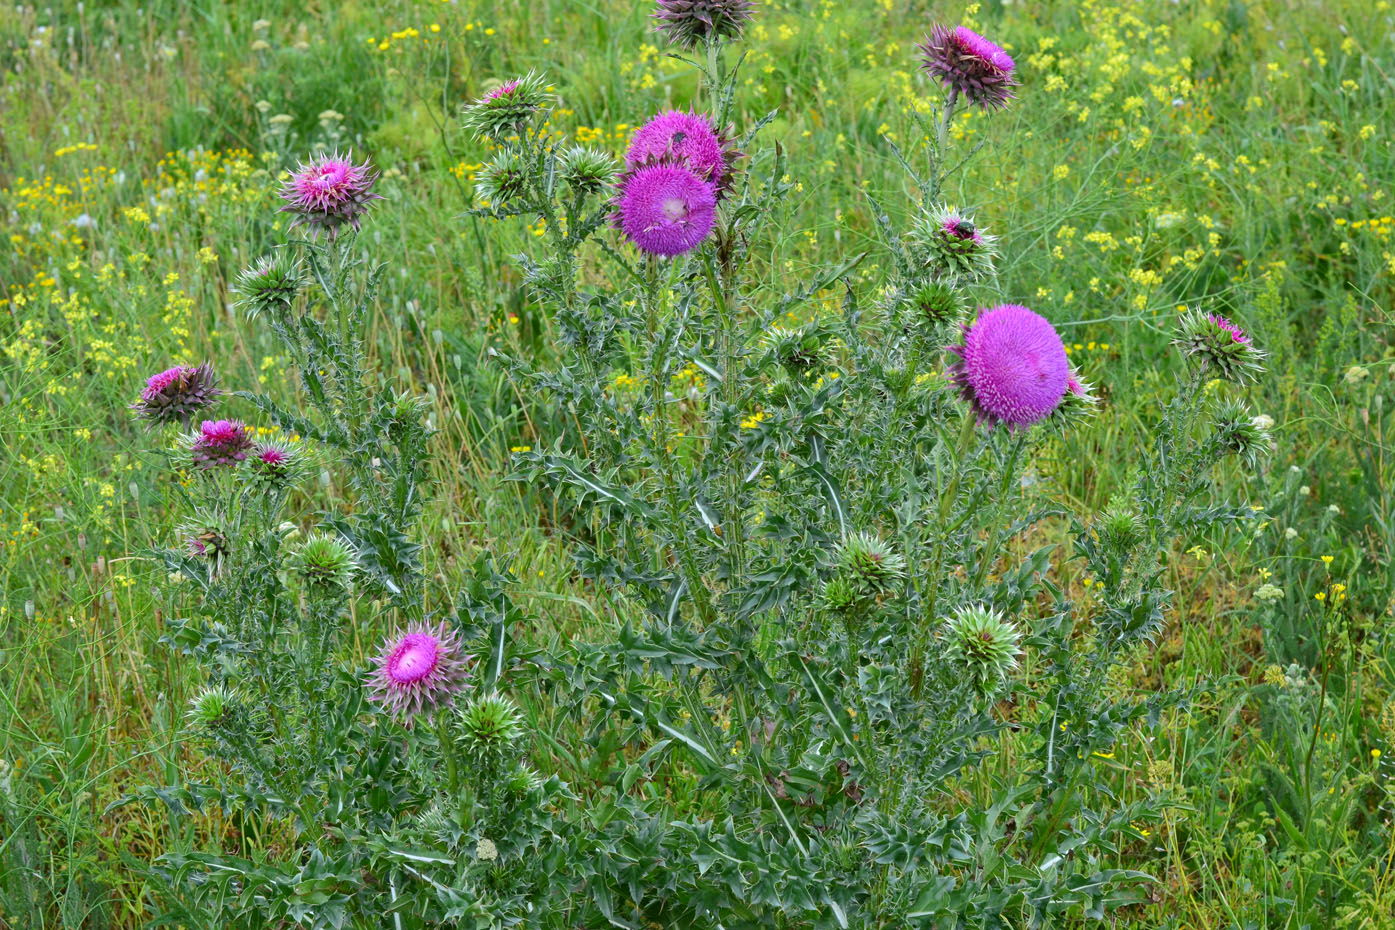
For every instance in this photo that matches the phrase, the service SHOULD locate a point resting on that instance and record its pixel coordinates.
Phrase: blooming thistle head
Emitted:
(506, 109)
(219, 443)
(587, 170)
(213, 707)
(1012, 367)
(329, 192)
(270, 285)
(326, 564)
(951, 245)
(935, 302)
(693, 23)
(664, 208)
(688, 138)
(970, 65)
(1242, 435)
(1219, 344)
(417, 671)
(488, 726)
(176, 394)
(986, 644)
(502, 179)
(275, 464)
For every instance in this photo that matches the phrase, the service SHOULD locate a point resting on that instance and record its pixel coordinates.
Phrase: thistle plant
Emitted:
(826, 540)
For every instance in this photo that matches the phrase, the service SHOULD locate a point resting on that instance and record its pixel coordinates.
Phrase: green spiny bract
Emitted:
(487, 728)
(935, 302)
(1119, 528)
(270, 285)
(326, 564)
(797, 350)
(950, 245)
(1239, 433)
(508, 109)
(501, 180)
(1219, 346)
(867, 569)
(275, 464)
(213, 707)
(985, 644)
(586, 169)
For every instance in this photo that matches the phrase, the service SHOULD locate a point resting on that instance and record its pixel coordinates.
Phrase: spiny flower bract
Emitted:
(985, 643)
(688, 138)
(1219, 344)
(275, 464)
(501, 180)
(176, 394)
(488, 726)
(1012, 367)
(326, 564)
(219, 443)
(212, 707)
(506, 109)
(418, 670)
(1241, 434)
(950, 244)
(270, 285)
(935, 302)
(692, 23)
(586, 169)
(664, 208)
(967, 63)
(329, 192)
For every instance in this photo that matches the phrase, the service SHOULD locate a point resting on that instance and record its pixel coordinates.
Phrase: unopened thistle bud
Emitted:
(587, 170)
(501, 180)
(1242, 435)
(1120, 528)
(949, 244)
(212, 708)
(488, 727)
(269, 286)
(869, 567)
(985, 643)
(326, 564)
(797, 351)
(1220, 345)
(935, 302)
(507, 109)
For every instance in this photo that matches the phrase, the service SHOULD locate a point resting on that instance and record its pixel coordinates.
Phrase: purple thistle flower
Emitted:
(503, 90)
(418, 671)
(1237, 335)
(687, 137)
(328, 192)
(690, 23)
(220, 442)
(664, 208)
(967, 63)
(176, 394)
(1012, 367)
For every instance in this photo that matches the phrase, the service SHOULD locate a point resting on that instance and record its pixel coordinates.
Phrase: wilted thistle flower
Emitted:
(219, 443)
(1012, 367)
(935, 302)
(489, 725)
(507, 109)
(176, 394)
(951, 245)
(205, 541)
(326, 564)
(501, 180)
(1240, 434)
(986, 643)
(688, 138)
(270, 285)
(588, 170)
(275, 464)
(418, 670)
(691, 23)
(212, 707)
(1220, 344)
(966, 63)
(329, 192)
(664, 208)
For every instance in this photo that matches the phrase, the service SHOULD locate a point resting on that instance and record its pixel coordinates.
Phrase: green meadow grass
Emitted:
(1231, 155)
